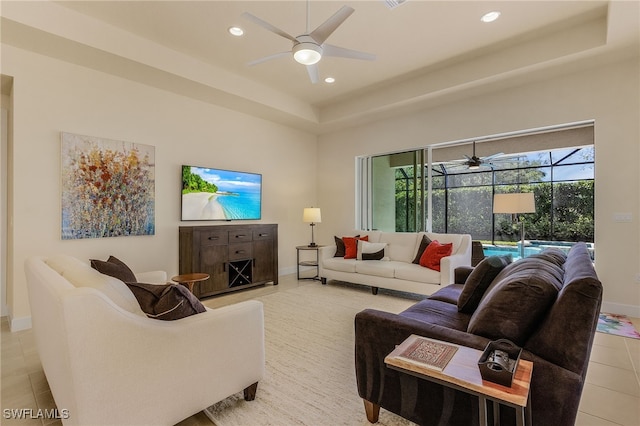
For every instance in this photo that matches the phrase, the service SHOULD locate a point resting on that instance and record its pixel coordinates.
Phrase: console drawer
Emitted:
(240, 251)
(262, 235)
(214, 238)
(240, 236)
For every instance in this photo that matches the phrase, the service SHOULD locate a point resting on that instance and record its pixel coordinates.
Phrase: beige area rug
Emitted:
(310, 373)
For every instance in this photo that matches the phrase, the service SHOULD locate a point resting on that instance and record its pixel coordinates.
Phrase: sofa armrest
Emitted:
(325, 252)
(152, 277)
(462, 273)
(449, 264)
(158, 372)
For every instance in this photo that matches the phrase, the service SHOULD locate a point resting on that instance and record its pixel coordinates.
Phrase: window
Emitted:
(410, 195)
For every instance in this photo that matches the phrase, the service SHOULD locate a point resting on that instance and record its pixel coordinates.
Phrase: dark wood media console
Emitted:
(235, 256)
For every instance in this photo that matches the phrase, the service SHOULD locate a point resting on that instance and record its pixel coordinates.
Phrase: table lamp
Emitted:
(312, 216)
(522, 202)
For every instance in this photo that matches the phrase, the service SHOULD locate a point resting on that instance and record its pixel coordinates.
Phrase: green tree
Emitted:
(194, 183)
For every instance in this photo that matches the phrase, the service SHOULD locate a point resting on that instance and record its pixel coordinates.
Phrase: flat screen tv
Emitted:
(216, 194)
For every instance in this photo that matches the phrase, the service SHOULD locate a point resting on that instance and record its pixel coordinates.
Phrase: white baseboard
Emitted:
(287, 271)
(19, 324)
(621, 309)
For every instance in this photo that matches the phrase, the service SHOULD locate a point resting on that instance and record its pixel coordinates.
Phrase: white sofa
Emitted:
(397, 272)
(108, 364)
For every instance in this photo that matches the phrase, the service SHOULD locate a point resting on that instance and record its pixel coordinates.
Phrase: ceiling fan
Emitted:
(310, 47)
(474, 162)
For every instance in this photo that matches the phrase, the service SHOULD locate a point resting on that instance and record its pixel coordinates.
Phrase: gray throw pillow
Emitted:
(115, 268)
(479, 280)
(166, 301)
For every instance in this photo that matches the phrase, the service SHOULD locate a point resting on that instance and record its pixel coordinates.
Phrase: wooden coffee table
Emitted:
(190, 279)
(462, 373)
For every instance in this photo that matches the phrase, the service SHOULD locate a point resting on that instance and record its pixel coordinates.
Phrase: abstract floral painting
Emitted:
(108, 188)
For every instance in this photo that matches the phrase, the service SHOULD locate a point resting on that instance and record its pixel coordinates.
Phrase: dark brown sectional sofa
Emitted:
(547, 303)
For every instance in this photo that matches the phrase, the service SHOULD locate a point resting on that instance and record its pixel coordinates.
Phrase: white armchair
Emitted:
(107, 365)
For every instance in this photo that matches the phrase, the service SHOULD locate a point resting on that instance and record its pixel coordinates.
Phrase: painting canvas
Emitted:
(108, 188)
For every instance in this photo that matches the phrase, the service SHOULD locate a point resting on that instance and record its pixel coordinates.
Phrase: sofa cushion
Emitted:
(455, 239)
(515, 306)
(340, 264)
(115, 268)
(434, 252)
(401, 245)
(416, 273)
(372, 236)
(530, 264)
(370, 251)
(479, 280)
(166, 301)
(351, 246)
(381, 268)
(439, 313)
(448, 294)
(80, 274)
(553, 255)
(424, 243)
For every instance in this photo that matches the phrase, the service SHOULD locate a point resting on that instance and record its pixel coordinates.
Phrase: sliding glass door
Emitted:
(428, 189)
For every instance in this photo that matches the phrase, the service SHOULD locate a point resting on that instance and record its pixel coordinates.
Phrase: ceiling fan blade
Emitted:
(268, 26)
(325, 29)
(268, 58)
(492, 156)
(313, 73)
(341, 52)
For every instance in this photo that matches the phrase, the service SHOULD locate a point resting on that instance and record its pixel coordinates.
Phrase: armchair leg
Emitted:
(374, 290)
(372, 410)
(250, 392)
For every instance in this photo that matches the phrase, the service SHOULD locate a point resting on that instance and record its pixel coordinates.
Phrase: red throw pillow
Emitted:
(351, 246)
(434, 252)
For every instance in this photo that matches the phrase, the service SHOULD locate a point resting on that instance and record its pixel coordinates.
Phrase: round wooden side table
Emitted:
(190, 279)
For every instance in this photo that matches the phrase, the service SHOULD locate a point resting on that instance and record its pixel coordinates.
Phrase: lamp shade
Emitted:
(311, 215)
(523, 202)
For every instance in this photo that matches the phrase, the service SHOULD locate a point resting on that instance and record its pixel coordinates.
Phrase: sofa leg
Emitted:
(372, 410)
(374, 290)
(323, 280)
(250, 392)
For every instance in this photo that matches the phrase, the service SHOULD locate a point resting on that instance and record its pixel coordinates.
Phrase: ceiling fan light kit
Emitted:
(307, 52)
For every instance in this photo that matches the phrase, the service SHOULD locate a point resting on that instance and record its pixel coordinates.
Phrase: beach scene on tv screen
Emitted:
(214, 194)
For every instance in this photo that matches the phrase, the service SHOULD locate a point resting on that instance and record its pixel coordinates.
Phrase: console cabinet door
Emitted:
(213, 261)
(265, 254)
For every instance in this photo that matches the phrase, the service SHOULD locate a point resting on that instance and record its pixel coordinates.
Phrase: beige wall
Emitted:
(50, 96)
(608, 93)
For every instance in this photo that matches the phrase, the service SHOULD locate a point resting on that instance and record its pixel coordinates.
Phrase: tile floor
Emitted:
(611, 395)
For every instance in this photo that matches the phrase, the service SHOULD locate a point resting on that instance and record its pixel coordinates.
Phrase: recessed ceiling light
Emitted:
(329, 80)
(490, 17)
(236, 31)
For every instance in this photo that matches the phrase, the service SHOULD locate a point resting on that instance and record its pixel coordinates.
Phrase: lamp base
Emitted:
(312, 245)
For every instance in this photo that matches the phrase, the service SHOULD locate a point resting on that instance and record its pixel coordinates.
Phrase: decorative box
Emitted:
(499, 361)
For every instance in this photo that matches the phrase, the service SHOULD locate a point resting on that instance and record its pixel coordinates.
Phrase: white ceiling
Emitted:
(412, 37)
(428, 52)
